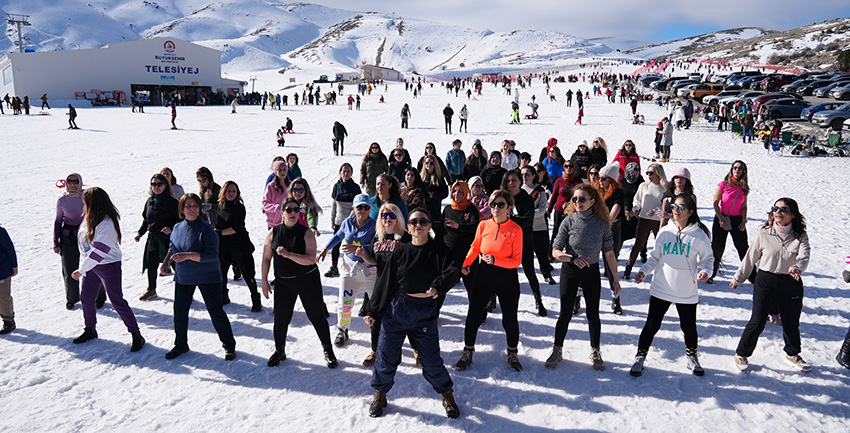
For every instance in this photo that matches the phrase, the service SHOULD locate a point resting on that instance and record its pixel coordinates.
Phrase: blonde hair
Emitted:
(601, 144)
(400, 228)
(659, 171)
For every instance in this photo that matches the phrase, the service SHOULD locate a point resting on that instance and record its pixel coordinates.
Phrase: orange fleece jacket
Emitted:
(502, 241)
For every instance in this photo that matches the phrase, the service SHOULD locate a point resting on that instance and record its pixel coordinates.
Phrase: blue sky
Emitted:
(646, 20)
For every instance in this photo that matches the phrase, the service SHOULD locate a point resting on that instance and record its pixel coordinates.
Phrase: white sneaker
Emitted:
(798, 362)
(596, 357)
(742, 363)
(637, 367)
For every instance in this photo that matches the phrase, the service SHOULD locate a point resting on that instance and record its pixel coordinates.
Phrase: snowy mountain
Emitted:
(685, 47)
(261, 35)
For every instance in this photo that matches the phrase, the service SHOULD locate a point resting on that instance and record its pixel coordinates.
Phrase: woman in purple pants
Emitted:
(99, 238)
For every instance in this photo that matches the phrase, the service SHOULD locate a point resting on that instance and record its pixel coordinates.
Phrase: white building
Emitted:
(162, 66)
(372, 72)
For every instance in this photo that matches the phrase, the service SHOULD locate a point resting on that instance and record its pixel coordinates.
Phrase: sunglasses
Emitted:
(202, 179)
(388, 215)
(579, 199)
(679, 207)
(156, 184)
(291, 209)
(629, 145)
(593, 173)
(419, 221)
(650, 173)
(299, 190)
(72, 181)
(364, 207)
(568, 166)
(783, 209)
(498, 204)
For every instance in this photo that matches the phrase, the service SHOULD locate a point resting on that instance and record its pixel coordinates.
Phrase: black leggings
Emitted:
(657, 308)
(542, 250)
(242, 259)
(335, 250)
(309, 288)
(489, 280)
(785, 292)
(618, 244)
(571, 278)
(718, 240)
(528, 260)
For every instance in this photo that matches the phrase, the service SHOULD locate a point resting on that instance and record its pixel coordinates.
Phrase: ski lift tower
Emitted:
(19, 20)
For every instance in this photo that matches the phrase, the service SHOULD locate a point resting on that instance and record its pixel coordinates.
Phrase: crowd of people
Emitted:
(396, 242)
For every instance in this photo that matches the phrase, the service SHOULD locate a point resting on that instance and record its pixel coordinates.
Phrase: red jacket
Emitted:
(562, 192)
(624, 161)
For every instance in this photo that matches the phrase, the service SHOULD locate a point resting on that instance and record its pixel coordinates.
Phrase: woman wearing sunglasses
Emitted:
(357, 276)
(493, 173)
(437, 190)
(626, 154)
(478, 198)
(681, 257)
(209, 192)
(299, 189)
(554, 163)
(781, 248)
(289, 248)
(612, 193)
(158, 219)
(497, 249)
(583, 235)
(431, 150)
(405, 298)
(646, 206)
(194, 250)
(540, 224)
(234, 244)
(390, 233)
(69, 216)
(730, 216)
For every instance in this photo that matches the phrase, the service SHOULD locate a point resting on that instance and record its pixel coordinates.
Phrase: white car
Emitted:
(841, 92)
(685, 91)
(712, 99)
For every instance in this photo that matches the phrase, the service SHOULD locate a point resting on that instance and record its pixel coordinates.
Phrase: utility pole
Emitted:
(19, 20)
(253, 79)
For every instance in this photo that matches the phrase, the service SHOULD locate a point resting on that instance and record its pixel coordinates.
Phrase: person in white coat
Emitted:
(681, 257)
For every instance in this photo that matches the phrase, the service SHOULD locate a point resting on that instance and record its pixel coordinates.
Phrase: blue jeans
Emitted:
(417, 317)
(212, 298)
(748, 134)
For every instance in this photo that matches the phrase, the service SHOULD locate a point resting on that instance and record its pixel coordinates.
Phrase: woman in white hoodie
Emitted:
(681, 257)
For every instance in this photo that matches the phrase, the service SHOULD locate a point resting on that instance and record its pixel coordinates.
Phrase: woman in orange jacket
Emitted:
(497, 249)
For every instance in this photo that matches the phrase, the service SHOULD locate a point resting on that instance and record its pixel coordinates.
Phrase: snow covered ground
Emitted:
(49, 384)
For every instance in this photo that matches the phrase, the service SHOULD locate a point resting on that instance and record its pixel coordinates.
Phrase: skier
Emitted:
(72, 114)
(514, 112)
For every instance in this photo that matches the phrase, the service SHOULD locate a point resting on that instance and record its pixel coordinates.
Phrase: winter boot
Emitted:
(643, 256)
(225, 296)
(452, 411)
(627, 273)
(363, 312)
(330, 358)
(332, 272)
(138, 342)
(637, 366)
(693, 364)
(256, 303)
(88, 334)
(538, 303)
(843, 356)
(615, 306)
(148, 295)
(175, 352)
(230, 354)
(278, 356)
(376, 409)
(549, 280)
(555, 357)
(465, 359)
(370, 359)
(741, 363)
(9, 326)
(513, 360)
(341, 338)
(596, 357)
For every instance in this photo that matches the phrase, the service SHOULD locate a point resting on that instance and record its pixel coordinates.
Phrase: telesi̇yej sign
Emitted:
(172, 62)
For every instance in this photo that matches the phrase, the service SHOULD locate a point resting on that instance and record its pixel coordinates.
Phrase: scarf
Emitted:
(463, 204)
(157, 198)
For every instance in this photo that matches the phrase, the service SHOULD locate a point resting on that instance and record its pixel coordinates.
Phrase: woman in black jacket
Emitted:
(437, 189)
(523, 215)
(431, 150)
(234, 245)
(398, 164)
(476, 161)
(158, 218)
(583, 159)
(343, 195)
(461, 220)
(493, 173)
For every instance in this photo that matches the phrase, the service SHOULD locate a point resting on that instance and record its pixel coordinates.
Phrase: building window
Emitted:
(7, 75)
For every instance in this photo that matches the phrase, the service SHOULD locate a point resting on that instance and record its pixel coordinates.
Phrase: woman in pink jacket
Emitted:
(276, 192)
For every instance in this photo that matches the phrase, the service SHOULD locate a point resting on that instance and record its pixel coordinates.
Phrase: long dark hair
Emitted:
(743, 183)
(692, 205)
(206, 191)
(395, 189)
(798, 223)
(161, 178)
(97, 206)
(222, 200)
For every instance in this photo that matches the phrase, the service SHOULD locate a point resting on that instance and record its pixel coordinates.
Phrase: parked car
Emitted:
(675, 86)
(808, 89)
(737, 75)
(741, 96)
(771, 96)
(832, 118)
(796, 85)
(784, 108)
(711, 100)
(841, 92)
(662, 84)
(705, 89)
(807, 113)
(747, 82)
(685, 91)
(823, 92)
(773, 82)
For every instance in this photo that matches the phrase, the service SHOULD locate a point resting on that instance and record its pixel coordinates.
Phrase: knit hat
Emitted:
(681, 172)
(277, 165)
(583, 143)
(361, 199)
(611, 170)
(474, 179)
(632, 172)
(477, 141)
(552, 142)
